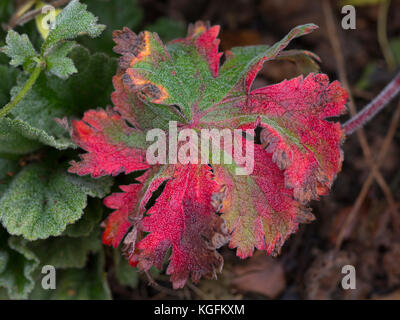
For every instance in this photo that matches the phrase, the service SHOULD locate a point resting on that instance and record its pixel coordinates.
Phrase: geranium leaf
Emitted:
(183, 219)
(58, 63)
(17, 137)
(292, 115)
(71, 22)
(20, 50)
(175, 75)
(52, 98)
(40, 202)
(110, 143)
(184, 212)
(257, 208)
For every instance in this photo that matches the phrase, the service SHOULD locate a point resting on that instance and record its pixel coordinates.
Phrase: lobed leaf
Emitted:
(71, 22)
(20, 50)
(191, 210)
(113, 146)
(184, 219)
(41, 202)
(58, 63)
(17, 137)
(50, 98)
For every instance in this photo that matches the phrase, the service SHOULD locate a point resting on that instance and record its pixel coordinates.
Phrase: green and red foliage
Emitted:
(201, 207)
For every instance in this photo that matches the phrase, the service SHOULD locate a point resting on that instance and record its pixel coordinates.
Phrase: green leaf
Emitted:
(58, 63)
(42, 200)
(125, 273)
(89, 283)
(52, 98)
(16, 266)
(20, 50)
(17, 138)
(66, 252)
(74, 20)
(91, 218)
(115, 14)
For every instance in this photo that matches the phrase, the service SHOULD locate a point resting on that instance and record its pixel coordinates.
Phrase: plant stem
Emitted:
(371, 109)
(28, 86)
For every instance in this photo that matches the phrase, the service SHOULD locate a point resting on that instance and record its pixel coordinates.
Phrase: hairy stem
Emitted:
(376, 105)
(28, 86)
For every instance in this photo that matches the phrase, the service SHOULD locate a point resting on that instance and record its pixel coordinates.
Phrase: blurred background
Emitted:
(364, 59)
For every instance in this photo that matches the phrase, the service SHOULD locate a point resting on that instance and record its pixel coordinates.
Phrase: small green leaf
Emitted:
(66, 252)
(51, 98)
(58, 63)
(12, 141)
(89, 283)
(20, 50)
(18, 137)
(74, 20)
(41, 201)
(16, 266)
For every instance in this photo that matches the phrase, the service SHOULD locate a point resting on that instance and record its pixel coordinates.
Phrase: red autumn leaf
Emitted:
(193, 209)
(118, 223)
(183, 218)
(308, 148)
(102, 134)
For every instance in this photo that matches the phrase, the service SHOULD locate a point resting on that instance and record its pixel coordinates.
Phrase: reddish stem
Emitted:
(376, 105)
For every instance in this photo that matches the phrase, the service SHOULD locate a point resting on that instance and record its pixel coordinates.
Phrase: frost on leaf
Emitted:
(181, 214)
